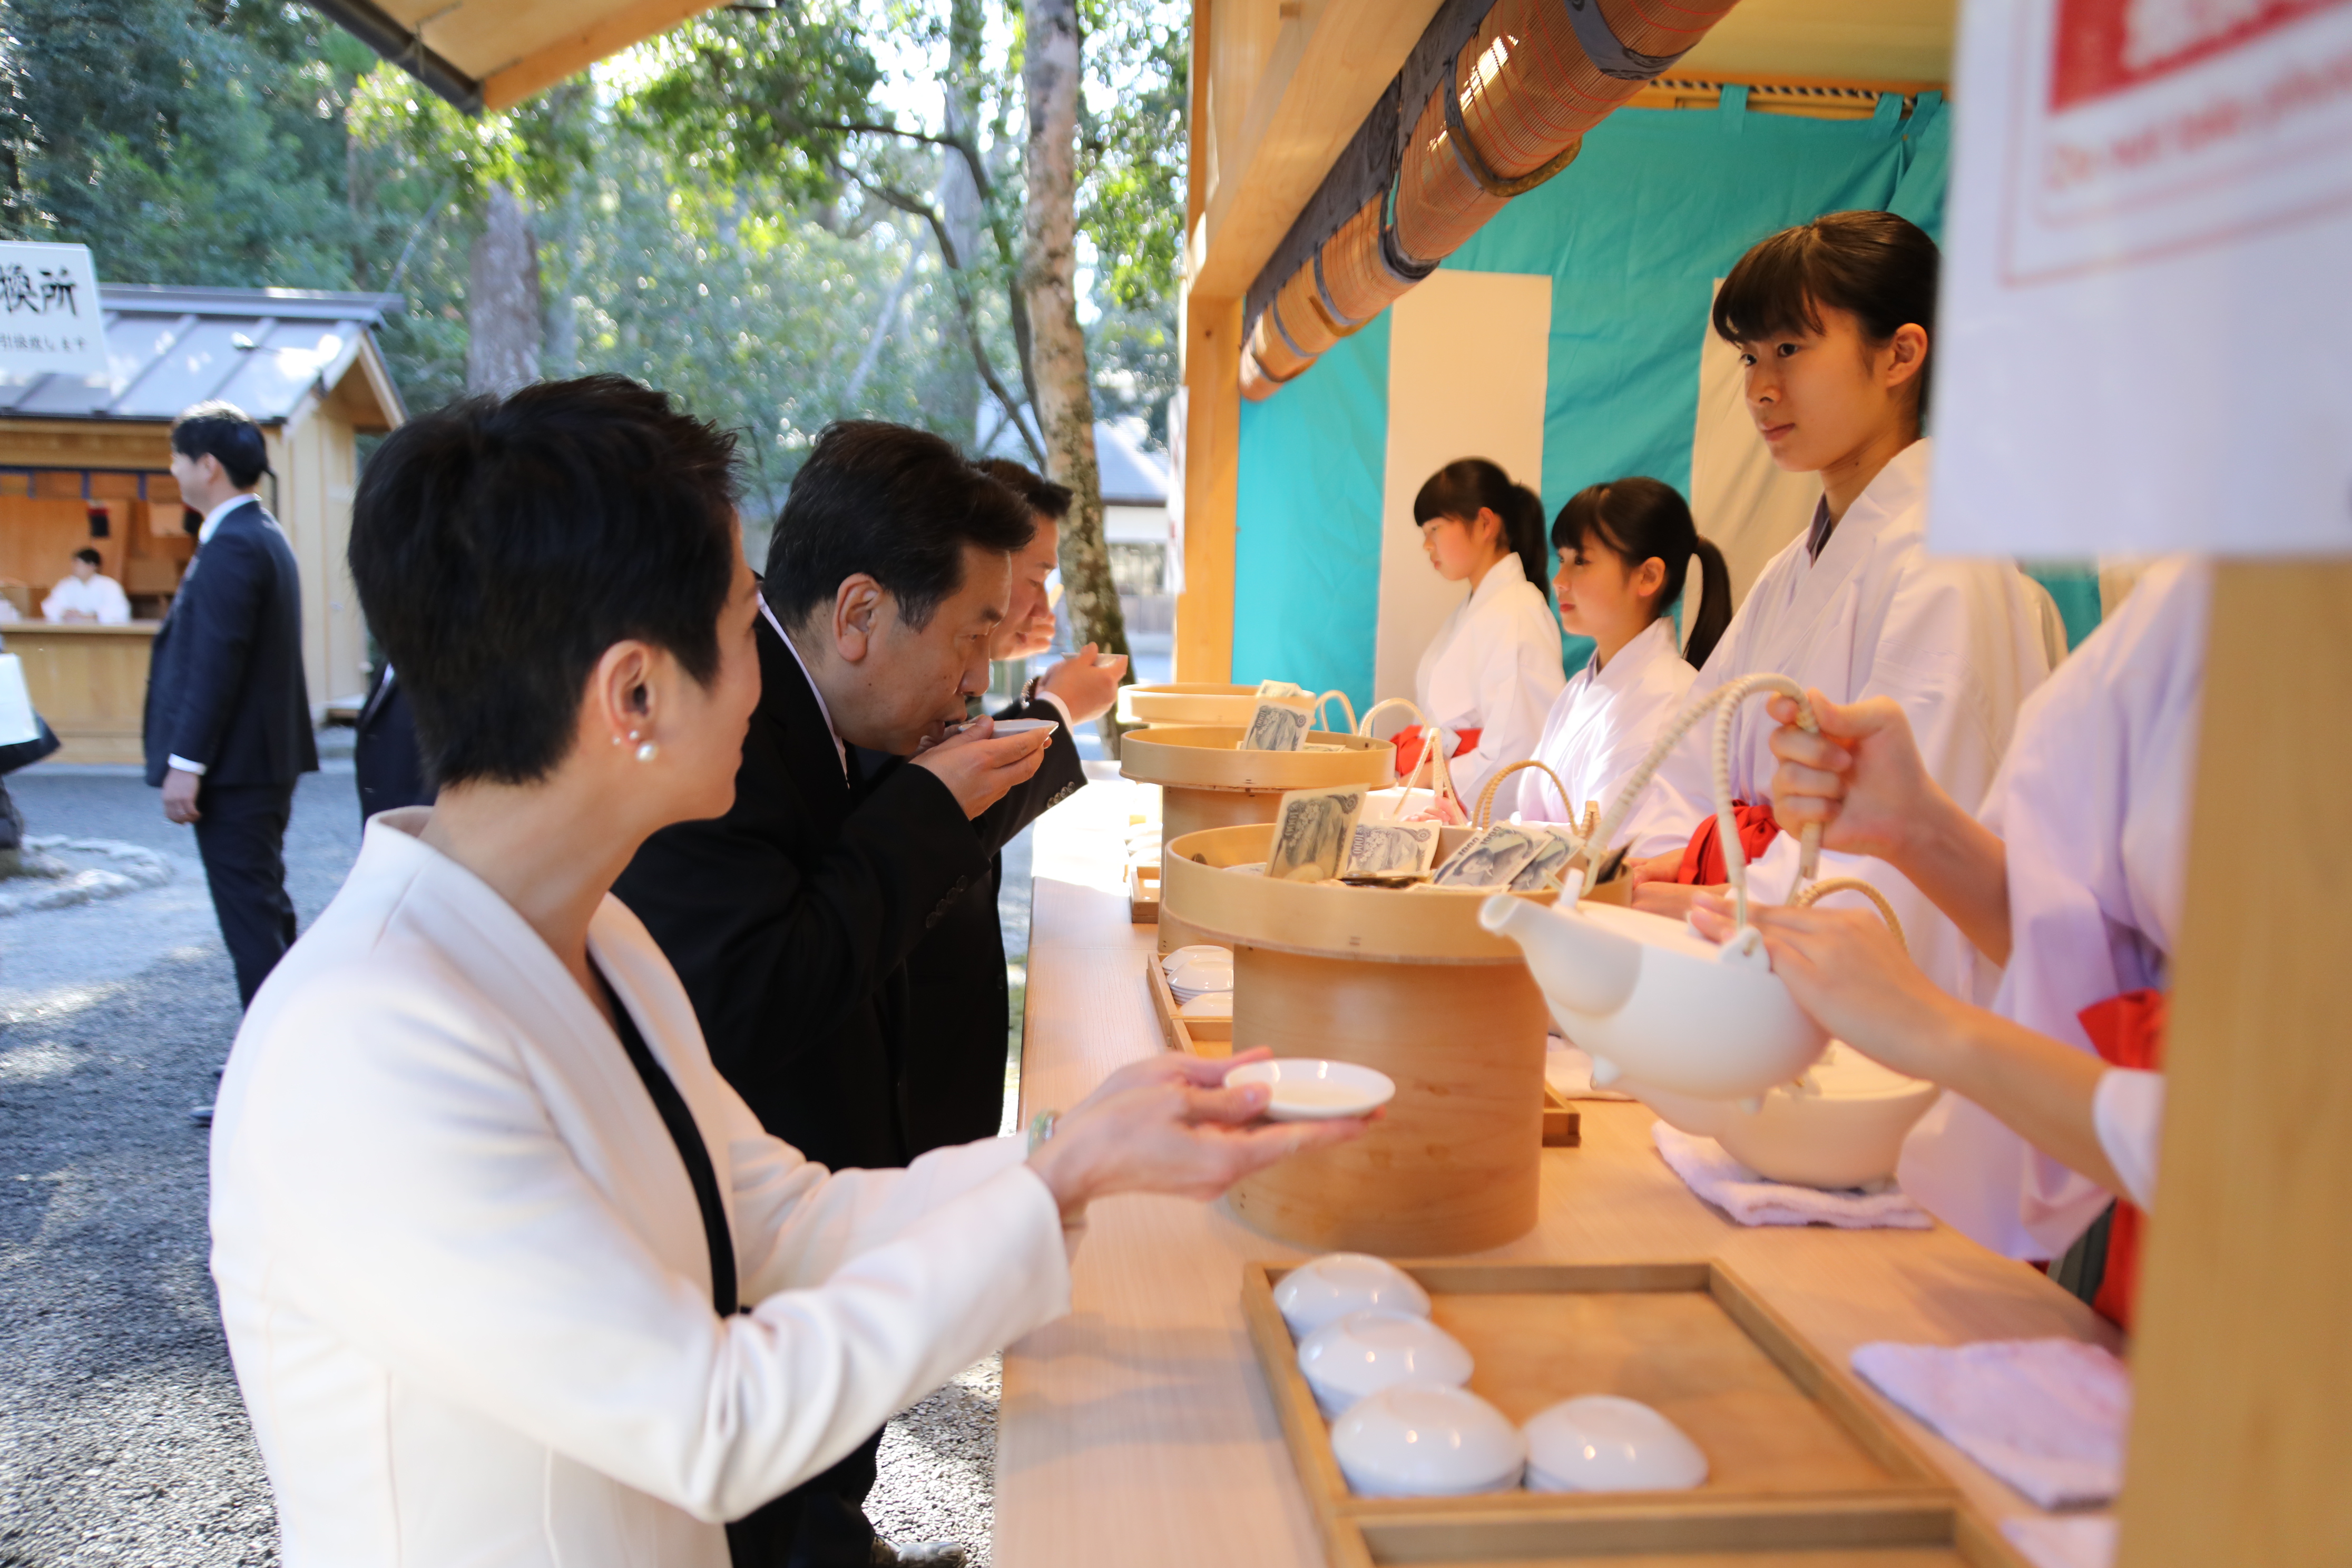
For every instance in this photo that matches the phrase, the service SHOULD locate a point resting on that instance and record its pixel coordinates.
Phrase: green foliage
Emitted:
(1131, 148)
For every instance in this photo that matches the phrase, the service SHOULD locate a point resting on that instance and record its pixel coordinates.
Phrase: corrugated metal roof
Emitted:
(262, 348)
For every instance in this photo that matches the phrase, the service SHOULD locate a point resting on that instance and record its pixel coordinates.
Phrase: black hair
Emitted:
(1042, 495)
(224, 431)
(896, 503)
(92, 556)
(1879, 266)
(1640, 518)
(501, 545)
(1461, 488)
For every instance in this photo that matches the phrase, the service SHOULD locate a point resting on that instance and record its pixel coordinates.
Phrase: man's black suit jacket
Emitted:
(790, 920)
(224, 685)
(384, 754)
(959, 1022)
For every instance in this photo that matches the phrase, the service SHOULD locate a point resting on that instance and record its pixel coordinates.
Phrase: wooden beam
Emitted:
(1213, 405)
(2242, 1407)
(575, 52)
(133, 444)
(1330, 64)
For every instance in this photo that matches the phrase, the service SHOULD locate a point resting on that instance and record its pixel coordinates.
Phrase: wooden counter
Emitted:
(89, 683)
(1137, 1431)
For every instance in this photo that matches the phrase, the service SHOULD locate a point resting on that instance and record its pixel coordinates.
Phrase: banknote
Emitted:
(1278, 723)
(1490, 859)
(1391, 851)
(1312, 831)
(1280, 689)
(1554, 851)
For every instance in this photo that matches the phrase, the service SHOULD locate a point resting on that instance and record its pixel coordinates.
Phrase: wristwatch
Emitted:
(1029, 689)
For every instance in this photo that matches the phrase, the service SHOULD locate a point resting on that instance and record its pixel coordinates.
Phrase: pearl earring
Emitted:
(647, 750)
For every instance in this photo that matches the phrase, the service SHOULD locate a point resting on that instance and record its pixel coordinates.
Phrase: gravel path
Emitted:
(122, 1440)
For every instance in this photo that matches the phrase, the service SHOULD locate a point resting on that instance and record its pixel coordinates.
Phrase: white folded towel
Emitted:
(2085, 1543)
(1751, 1199)
(1569, 1072)
(2045, 1415)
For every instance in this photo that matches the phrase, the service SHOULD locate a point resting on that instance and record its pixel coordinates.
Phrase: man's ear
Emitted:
(856, 616)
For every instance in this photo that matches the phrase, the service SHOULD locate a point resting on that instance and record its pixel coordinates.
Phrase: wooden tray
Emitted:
(1186, 703)
(1803, 1468)
(1143, 895)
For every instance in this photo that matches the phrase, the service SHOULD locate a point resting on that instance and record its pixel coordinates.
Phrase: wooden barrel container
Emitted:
(1186, 703)
(1205, 782)
(1403, 981)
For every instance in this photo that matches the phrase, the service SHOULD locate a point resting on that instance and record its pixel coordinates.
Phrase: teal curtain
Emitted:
(1633, 234)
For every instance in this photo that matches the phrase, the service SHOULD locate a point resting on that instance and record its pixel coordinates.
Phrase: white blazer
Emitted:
(464, 1279)
(2093, 806)
(1604, 723)
(1958, 643)
(1493, 665)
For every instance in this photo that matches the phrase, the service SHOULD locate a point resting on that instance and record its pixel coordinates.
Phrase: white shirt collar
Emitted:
(839, 751)
(1654, 641)
(1506, 570)
(213, 518)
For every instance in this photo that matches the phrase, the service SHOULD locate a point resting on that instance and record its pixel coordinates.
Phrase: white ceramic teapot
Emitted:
(1840, 1124)
(1648, 997)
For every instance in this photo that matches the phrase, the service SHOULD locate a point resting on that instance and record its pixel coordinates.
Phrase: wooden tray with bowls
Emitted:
(1803, 1471)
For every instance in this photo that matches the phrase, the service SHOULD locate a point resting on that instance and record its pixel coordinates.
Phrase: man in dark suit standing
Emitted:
(957, 988)
(228, 715)
(388, 765)
(789, 919)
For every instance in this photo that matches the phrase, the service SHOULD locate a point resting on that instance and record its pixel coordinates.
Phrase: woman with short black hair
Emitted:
(510, 1274)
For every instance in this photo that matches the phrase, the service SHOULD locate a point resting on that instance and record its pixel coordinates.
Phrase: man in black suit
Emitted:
(789, 919)
(228, 714)
(384, 754)
(957, 988)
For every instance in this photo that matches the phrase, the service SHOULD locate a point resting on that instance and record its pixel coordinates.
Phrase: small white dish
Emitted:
(1337, 1283)
(1365, 1352)
(1307, 1088)
(1427, 1442)
(1024, 726)
(1601, 1443)
(1198, 952)
(1209, 1004)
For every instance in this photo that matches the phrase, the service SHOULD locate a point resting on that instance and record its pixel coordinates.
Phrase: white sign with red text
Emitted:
(50, 322)
(2145, 340)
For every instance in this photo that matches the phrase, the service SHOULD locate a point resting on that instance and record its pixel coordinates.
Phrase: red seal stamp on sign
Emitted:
(2141, 128)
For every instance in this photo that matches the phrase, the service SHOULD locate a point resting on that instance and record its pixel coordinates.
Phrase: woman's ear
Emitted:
(1650, 577)
(1906, 356)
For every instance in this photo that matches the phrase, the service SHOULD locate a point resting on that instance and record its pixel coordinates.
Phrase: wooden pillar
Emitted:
(1213, 368)
(2242, 1429)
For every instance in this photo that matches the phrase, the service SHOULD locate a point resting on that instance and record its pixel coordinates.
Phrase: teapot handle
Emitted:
(1821, 890)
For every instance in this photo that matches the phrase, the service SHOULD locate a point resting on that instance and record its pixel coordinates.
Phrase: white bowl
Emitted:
(1209, 1004)
(1840, 1125)
(1365, 1352)
(1199, 952)
(1601, 1443)
(1427, 1442)
(1024, 726)
(1307, 1088)
(1338, 1283)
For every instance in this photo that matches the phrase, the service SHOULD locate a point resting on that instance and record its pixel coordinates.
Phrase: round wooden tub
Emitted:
(1205, 782)
(1182, 703)
(1409, 983)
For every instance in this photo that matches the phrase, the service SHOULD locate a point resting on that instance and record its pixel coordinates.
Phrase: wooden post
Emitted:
(1212, 369)
(2242, 1420)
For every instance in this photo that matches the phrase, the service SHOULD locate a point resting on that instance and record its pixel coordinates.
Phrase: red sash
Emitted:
(2128, 1031)
(1703, 863)
(1410, 739)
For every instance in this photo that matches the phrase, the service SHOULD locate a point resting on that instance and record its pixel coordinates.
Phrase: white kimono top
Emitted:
(1604, 723)
(101, 597)
(466, 1282)
(1958, 643)
(2093, 803)
(1492, 667)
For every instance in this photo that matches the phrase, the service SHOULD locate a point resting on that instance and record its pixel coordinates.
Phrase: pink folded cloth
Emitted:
(1748, 1198)
(2045, 1415)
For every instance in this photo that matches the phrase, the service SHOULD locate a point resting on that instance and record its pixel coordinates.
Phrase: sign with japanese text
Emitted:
(2144, 329)
(50, 322)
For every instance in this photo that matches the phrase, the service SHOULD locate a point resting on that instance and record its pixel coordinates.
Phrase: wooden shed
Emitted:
(87, 462)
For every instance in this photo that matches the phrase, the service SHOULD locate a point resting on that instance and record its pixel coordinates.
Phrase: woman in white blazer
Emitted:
(482, 1211)
(1488, 677)
(1832, 321)
(1625, 553)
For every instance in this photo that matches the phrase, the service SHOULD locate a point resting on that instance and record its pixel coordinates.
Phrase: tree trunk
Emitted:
(502, 299)
(958, 406)
(1065, 403)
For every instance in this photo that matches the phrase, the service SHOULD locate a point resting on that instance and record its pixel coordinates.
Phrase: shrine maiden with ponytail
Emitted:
(1627, 553)
(1834, 321)
(1488, 678)
(2070, 878)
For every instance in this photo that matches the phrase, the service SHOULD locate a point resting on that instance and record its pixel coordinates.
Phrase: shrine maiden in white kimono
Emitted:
(2093, 805)
(466, 1281)
(1958, 643)
(1605, 722)
(1492, 667)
